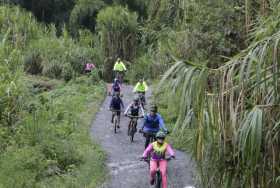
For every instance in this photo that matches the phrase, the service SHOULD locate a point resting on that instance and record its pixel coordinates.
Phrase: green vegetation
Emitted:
(228, 117)
(44, 123)
(219, 59)
(51, 145)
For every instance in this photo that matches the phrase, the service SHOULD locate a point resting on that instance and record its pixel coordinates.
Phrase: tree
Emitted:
(84, 15)
(117, 28)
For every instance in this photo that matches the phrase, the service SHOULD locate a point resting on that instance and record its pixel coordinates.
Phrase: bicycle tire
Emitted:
(158, 180)
(132, 131)
(115, 124)
(128, 128)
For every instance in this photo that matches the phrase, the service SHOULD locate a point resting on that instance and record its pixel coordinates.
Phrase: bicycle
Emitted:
(119, 75)
(141, 97)
(158, 178)
(132, 126)
(150, 136)
(116, 119)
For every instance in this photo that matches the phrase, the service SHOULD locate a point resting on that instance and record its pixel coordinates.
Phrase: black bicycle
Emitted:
(132, 126)
(158, 178)
(141, 98)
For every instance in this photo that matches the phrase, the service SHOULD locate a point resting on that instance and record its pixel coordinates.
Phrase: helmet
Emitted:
(154, 108)
(160, 134)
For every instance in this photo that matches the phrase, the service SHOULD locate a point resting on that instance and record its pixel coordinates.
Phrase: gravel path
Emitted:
(126, 171)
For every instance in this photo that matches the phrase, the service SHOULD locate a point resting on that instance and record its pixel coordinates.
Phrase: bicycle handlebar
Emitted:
(112, 110)
(130, 116)
(169, 158)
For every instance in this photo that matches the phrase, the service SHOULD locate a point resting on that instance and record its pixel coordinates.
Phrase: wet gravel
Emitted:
(126, 171)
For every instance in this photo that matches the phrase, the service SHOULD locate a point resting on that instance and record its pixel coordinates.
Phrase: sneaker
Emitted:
(152, 181)
(118, 126)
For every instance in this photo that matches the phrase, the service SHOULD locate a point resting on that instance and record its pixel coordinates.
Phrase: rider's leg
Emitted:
(147, 142)
(163, 170)
(144, 98)
(112, 120)
(153, 170)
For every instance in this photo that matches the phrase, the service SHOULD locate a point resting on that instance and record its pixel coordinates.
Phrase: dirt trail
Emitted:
(123, 163)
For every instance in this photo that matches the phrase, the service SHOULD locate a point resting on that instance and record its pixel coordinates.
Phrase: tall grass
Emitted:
(233, 111)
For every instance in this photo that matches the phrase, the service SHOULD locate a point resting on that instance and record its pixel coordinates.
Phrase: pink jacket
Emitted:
(89, 66)
(155, 156)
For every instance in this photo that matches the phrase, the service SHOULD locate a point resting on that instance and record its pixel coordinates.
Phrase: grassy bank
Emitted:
(52, 146)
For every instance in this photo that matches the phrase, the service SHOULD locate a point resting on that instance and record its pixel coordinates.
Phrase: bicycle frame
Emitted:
(158, 178)
(132, 126)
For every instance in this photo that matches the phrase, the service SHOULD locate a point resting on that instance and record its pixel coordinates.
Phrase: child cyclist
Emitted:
(116, 104)
(116, 86)
(158, 150)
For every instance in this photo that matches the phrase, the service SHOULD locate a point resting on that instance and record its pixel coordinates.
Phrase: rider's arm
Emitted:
(127, 108)
(121, 103)
(115, 67)
(161, 123)
(145, 119)
(136, 87)
(123, 65)
(147, 151)
(142, 110)
(170, 150)
(146, 86)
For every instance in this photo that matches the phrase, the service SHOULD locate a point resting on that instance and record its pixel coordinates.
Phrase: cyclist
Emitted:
(134, 108)
(153, 122)
(158, 150)
(119, 69)
(141, 88)
(116, 104)
(116, 86)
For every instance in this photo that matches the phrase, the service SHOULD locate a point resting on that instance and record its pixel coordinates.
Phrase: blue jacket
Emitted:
(153, 123)
(116, 103)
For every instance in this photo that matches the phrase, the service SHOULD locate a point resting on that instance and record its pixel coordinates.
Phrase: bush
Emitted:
(21, 167)
(67, 73)
(33, 63)
(53, 69)
(95, 76)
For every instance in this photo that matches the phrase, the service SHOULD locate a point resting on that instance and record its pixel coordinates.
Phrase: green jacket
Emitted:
(119, 66)
(140, 87)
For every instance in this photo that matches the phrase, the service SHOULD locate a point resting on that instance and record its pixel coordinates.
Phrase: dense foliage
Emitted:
(44, 139)
(229, 116)
(225, 80)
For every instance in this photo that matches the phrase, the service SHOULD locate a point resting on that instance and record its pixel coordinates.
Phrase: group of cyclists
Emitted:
(153, 128)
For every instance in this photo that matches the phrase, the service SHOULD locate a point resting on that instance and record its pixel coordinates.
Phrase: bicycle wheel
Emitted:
(158, 180)
(132, 131)
(128, 128)
(115, 124)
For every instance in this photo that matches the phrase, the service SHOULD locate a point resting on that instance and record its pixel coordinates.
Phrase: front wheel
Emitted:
(128, 128)
(115, 124)
(158, 180)
(132, 131)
